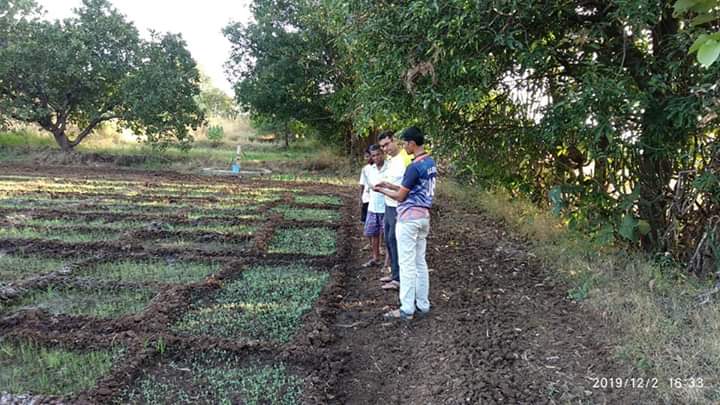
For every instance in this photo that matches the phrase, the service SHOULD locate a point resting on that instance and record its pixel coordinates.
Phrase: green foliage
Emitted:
(706, 46)
(214, 102)
(218, 378)
(309, 241)
(266, 303)
(283, 68)
(92, 68)
(582, 106)
(215, 134)
(30, 368)
(96, 303)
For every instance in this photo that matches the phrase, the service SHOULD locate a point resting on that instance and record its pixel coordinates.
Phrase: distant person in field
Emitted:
(374, 223)
(415, 195)
(365, 186)
(396, 162)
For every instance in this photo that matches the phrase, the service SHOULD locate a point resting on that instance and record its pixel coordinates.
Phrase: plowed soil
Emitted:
(501, 329)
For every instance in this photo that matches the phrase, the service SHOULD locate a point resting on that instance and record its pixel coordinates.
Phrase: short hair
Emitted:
(374, 147)
(385, 135)
(413, 134)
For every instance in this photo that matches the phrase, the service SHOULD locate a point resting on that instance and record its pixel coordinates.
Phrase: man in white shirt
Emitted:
(394, 175)
(365, 186)
(375, 221)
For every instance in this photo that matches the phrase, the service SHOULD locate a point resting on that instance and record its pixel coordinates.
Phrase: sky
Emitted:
(199, 22)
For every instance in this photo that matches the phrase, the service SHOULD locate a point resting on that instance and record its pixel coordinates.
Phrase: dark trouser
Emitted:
(391, 241)
(363, 212)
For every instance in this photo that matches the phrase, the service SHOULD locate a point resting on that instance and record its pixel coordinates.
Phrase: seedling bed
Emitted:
(28, 367)
(178, 227)
(162, 271)
(224, 216)
(14, 267)
(73, 301)
(317, 199)
(307, 214)
(172, 268)
(217, 376)
(313, 241)
(264, 303)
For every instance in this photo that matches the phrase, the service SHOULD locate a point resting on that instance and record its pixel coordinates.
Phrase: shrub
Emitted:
(215, 135)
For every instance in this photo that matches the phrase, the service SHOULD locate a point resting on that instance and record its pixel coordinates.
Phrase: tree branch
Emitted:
(88, 130)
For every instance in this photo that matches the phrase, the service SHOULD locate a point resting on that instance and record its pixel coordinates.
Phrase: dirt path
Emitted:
(501, 330)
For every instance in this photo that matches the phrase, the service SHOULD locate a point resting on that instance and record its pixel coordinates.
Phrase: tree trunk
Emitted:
(654, 171)
(63, 141)
(655, 166)
(287, 137)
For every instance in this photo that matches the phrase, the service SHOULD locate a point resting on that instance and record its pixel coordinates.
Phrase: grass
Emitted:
(62, 235)
(318, 199)
(95, 303)
(30, 368)
(152, 271)
(13, 268)
(23, 138)
(266, 303)
(309, 241)
(664, 333)
(217, 378)
(307, 214)
(21, 144)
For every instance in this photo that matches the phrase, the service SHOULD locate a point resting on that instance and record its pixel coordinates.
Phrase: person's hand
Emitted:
(377, 188)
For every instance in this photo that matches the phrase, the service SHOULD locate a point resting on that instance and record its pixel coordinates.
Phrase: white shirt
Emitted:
(394, 175)
(365, 183)
(377, 200)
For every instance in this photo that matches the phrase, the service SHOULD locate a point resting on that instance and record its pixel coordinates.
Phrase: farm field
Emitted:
(141, 287)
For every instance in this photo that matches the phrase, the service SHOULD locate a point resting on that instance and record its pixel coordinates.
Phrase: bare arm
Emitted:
(399, 195)
(385, 184)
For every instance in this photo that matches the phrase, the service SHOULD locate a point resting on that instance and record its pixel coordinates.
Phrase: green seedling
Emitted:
(153, 271)
(14, 268)
(31, 368)
(318, 199)
(218, 378)
(82, 302)
(307, 214)
(266, 303)
(309, 241)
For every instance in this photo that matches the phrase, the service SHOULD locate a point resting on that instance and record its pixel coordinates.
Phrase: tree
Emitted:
(93, 68)
(214, 101)
(283, 68)
(591, 105)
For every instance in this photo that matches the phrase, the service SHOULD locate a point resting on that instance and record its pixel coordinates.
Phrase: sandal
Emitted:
(386, 279)
(397, 314)
(370, 263)
(392, 285)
